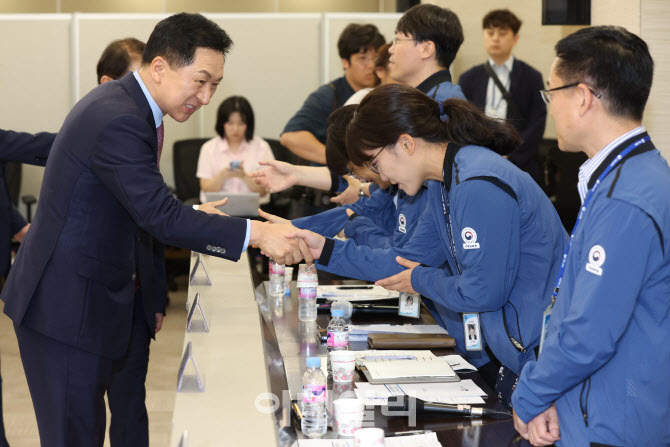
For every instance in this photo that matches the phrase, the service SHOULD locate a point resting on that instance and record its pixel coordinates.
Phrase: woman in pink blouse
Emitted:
(226, 160)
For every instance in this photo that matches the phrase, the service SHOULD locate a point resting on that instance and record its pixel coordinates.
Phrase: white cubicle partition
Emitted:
(231, 362)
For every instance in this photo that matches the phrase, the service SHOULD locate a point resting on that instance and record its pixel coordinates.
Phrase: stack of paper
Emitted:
(463, 392)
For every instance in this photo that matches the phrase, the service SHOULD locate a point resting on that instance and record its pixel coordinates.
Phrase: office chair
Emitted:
(13, 179)
(185, 163)
(561, 175)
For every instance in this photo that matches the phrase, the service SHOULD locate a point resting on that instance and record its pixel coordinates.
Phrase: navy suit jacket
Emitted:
(525, 86)
(74, 277)
(23, 148)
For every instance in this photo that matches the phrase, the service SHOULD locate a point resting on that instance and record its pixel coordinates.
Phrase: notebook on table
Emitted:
(239, 204)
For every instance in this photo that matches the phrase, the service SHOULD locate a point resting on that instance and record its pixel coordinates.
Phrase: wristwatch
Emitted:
(361, 193)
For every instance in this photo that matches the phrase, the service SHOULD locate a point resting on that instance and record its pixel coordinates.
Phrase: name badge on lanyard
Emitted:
(471, 323)
(546, 316)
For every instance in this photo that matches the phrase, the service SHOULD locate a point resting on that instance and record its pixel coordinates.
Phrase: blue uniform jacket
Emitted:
(605, 361)
(508, 241)
(387, 218)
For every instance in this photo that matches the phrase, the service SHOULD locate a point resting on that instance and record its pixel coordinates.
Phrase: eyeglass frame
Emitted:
(546, 94)
(396, 40)
(370, 165)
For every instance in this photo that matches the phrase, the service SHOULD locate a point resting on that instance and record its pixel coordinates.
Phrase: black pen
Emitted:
(407, 433)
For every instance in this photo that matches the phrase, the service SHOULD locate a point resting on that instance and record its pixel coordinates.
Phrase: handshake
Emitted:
(285, 243)
(278, 238)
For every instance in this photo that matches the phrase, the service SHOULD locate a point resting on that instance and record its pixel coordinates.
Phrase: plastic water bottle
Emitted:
(338, 335)
(314, 421)
(307, 303)
(276, 279)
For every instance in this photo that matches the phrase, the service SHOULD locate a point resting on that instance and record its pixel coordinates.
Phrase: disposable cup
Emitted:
(369, 437)
(348, 416)
(342, 364)
(288, 277)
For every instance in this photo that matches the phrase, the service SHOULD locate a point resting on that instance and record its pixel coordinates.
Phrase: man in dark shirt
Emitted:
(305, 133)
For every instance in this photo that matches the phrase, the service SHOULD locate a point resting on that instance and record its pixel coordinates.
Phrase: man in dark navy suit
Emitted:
(24, 148)
(72, 290)
(525, 109)
(126, 394)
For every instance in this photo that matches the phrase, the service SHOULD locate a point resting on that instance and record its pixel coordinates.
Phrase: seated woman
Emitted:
(225, 161)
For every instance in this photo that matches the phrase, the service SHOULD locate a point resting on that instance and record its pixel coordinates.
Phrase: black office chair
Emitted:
(187, 189)
(561, 174)
(185, 163)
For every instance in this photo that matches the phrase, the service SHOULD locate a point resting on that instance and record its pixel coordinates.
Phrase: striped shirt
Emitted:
(587, 169)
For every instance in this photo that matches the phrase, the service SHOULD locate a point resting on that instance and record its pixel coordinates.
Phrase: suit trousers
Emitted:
(67, 386)
(3, 439)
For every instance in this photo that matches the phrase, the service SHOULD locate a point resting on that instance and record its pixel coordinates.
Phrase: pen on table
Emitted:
(407, 433)
(388, 357)
(296, 407)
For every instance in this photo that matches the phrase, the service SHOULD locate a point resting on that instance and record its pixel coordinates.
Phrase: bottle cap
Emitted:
(314, 362)
(338, 313)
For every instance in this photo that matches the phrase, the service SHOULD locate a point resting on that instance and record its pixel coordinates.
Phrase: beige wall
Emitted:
(170, 6)
(35, 75)
(649, 19)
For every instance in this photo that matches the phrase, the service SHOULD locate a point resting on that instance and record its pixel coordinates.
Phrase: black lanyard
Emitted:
(447, 221)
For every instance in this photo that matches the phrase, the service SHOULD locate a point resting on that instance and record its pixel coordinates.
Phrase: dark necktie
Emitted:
(160, 133)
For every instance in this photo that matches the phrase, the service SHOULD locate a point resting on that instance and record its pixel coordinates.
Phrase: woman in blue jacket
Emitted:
(498, 233)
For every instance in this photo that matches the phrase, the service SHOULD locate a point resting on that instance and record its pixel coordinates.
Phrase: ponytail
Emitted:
(392, 110)
(465, 124)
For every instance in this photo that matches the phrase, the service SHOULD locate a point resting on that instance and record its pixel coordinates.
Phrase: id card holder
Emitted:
(473, 333)
(545, 324)
(409, 305)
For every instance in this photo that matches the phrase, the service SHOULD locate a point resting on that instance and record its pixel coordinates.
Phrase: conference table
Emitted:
(252, 358)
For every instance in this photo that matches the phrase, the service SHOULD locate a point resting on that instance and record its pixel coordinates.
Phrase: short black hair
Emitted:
(613, 62)
(337, 157)
(502, 18)
(177, 37)
(231, 105)
(356, 38)
(115, 60)
(439, 25)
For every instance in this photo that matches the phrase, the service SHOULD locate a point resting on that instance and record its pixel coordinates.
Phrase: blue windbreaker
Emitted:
(606, 359)
(519, 240)
(385, 219)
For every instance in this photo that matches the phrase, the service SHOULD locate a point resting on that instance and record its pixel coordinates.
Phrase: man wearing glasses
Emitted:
(426, 41)
(612, 308)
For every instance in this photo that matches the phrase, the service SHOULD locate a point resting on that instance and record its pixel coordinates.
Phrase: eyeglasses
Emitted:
(373, 166)
(396, 40)
(546, 94)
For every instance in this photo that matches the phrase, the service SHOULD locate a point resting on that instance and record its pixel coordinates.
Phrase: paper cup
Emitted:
(342, 364)
(288, 277)
(369, 437)
(348, 415)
